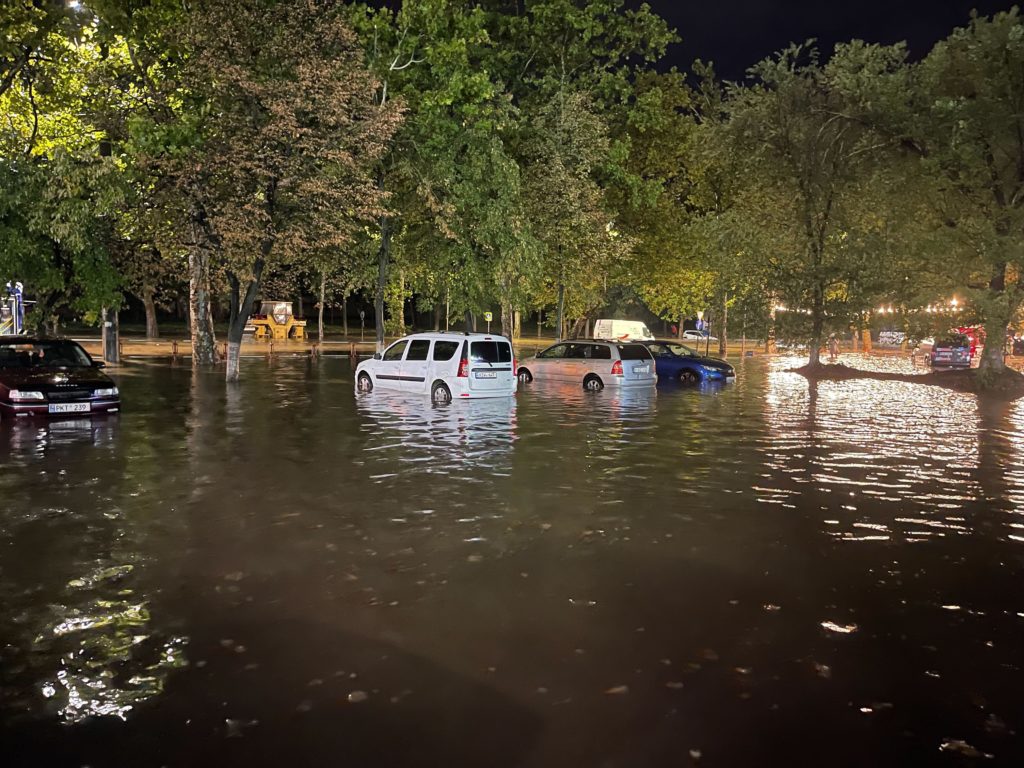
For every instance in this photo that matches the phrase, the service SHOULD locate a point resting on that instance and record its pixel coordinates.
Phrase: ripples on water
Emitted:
(755, 572)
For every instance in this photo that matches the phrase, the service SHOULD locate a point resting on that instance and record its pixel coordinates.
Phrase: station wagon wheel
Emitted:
(688, 377)
(365, 384)
(440, 394)
(525, 377)
(593, 384)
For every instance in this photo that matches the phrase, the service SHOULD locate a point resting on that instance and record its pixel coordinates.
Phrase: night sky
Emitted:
(735, 34)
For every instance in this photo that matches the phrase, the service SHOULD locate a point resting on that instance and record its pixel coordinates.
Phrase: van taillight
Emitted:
(463, 368)
(515, 366)
(617, 368)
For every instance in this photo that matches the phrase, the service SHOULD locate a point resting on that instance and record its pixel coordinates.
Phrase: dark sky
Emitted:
(737, 33)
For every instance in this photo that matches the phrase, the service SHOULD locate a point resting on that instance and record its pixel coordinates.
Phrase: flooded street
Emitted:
(279, 573)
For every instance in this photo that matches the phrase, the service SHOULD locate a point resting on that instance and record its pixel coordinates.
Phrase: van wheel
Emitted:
(593, 384)
(688, 377)
(525, 377)
(440, 394)
(365, 384)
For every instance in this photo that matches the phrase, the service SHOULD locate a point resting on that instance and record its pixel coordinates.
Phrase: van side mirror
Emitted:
(376, 355)
(98, 364)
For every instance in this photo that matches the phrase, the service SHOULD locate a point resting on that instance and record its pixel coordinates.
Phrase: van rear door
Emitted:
(490, 366)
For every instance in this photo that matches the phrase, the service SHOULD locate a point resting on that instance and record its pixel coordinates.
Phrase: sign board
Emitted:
(488, 317)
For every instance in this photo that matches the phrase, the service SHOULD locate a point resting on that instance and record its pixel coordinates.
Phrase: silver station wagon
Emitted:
(592, 363)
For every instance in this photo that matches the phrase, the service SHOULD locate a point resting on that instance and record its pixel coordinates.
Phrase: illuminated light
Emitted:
(842, 629)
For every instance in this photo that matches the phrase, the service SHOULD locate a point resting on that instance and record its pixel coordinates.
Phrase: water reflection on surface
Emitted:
(281, 573)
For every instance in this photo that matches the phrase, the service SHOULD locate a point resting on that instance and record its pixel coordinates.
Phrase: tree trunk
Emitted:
(998, 314)
(204, 340)
(320, 308)
(302, 307)
(817, 325)
(559, 327)
(149, 302)
(540, 321)
(723, 332)
(507, 321)
(382, 279)
(437, 316)
(344, 313)
(241, 308)
(679, 330)
(769, 341)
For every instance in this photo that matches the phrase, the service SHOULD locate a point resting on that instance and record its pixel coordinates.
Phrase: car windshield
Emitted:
(634, 352)
(43, 354)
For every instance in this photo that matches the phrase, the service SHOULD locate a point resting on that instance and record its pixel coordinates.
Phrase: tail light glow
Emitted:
(617, 368)
(463, 369)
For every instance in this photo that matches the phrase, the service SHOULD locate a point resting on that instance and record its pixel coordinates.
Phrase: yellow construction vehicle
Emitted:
(275, 322)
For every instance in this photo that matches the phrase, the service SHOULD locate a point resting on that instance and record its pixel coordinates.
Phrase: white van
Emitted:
(622, 330)
(446, 366)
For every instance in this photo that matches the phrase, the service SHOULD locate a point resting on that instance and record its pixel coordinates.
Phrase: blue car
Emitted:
(676, 362)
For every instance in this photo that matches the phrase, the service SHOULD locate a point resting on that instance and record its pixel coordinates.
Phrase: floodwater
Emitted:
(281, 574)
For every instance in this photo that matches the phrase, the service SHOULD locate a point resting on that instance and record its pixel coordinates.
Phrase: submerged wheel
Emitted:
(364, 383)
(593, 384)
(688, 377)
(440, 394)
(525, 377)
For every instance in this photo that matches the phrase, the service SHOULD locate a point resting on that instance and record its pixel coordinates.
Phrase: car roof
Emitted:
(599, 341)
(452, 335)
(29, 339)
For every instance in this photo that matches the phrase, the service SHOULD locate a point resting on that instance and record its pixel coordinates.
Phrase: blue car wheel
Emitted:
(688, 376)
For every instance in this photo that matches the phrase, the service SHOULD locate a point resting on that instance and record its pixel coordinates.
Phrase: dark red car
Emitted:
(43, 377)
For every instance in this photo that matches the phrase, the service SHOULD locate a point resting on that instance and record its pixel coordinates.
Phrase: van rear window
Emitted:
(634, 352)
(490, 352)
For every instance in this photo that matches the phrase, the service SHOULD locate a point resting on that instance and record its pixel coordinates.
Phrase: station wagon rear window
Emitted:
(490, 352)
(634, 352)
(445, 350)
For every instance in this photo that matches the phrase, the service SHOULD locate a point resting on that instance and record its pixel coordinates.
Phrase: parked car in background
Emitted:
(621, 330)
(51, 377)
(677, 362)
(592, 364)
(951, 351)
(446, 366)
(692, 335)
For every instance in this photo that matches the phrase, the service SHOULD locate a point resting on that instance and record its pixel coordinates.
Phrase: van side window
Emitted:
(418, 349)
(634, 352)
(445, 350)
(600, 352)
(394, 352)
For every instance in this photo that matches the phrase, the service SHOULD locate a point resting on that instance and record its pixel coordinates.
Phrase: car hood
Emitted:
(53, 378)
(713, 362)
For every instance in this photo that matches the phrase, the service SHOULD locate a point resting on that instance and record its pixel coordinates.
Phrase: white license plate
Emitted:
(487, 374)
(639, 369)
(69, 408)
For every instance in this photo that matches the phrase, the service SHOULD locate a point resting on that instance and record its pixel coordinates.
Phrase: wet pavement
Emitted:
(279, 573)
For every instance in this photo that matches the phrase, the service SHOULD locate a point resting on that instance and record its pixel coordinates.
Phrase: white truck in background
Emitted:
(622, 330)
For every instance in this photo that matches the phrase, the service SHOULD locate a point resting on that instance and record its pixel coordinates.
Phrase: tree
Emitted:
(290, 133)
(967, 127)
(815, 182)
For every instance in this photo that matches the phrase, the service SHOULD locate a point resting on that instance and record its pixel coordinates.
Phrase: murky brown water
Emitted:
(280, 574)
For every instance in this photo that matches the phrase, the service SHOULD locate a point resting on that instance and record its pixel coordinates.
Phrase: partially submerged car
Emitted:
(47, 377)
(954, 350)
(677, 362)
(592, 364)
(444, 365)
